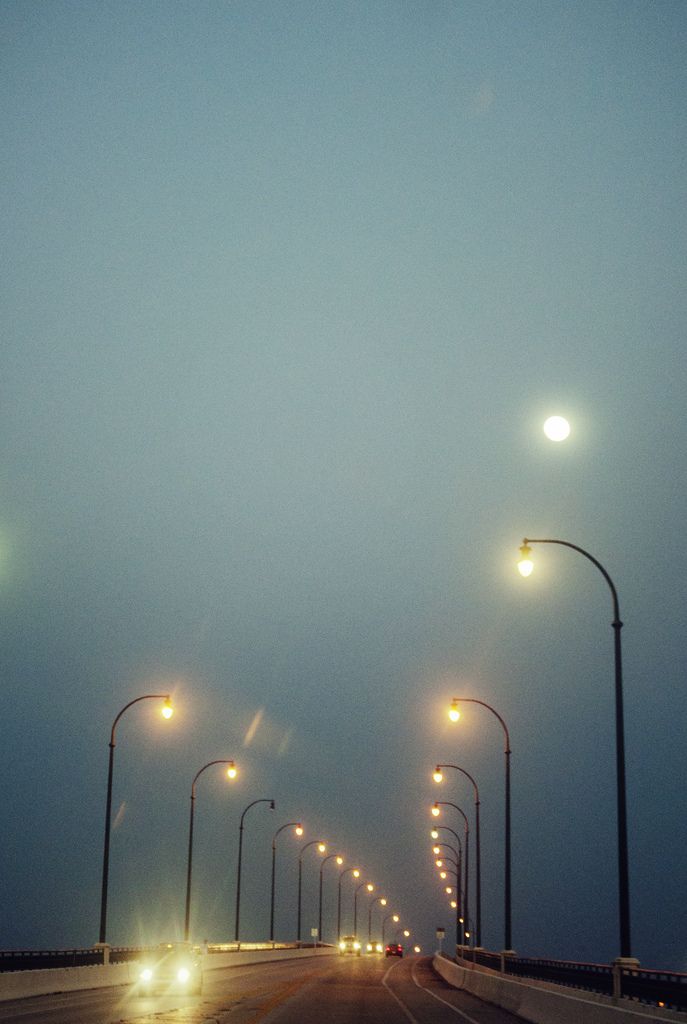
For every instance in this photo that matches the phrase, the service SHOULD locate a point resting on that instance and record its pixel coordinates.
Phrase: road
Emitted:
(338, 990)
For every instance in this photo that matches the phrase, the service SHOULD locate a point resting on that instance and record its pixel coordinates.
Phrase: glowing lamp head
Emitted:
(383, 901)
(322, 847)
(453, 904)
(406, 933)
(449, 889)
(436, 811)
(436, 850)
(454, 711)
(339, 861)
(417, 949)
(231, 770)
(434, 834)
(396, 919)
(370, 887)
(525, 565)
(356, 873)
(299, 830)
(437, 776)
(167, 709)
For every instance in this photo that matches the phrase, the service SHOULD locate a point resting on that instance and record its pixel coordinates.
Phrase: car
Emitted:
(349, 944)
(372, 946)
(394, 949)
(171, 967)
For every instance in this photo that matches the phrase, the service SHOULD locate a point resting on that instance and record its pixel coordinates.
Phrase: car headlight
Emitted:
(356, 945)
(183, 974)
(146, 974)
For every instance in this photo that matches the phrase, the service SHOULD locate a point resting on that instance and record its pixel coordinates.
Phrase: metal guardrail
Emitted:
(666, 989)
(36, 959)
(591, 977)
(657, 988)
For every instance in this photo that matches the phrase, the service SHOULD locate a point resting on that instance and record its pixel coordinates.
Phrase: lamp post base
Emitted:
(105, 947)
(621, 963)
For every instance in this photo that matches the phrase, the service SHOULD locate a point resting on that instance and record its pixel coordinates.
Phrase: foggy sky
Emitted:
(288, 291)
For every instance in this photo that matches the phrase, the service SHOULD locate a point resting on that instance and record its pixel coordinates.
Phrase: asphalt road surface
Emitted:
(335, 990)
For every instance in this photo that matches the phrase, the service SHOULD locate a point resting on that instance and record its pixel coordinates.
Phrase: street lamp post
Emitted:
(298, 829)
(396, 919)
(322, 848)
(264, 800)
(457, 861)
(435, 812)
(382, 902)
(167, 712)
(356, 874)
(231, 773)
(339, 860)
(370, 888)
(454, 714)
(478, 882)
(526, 567)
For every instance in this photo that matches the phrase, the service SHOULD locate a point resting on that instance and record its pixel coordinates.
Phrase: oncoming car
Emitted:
(349, 944)
(374, 947)
(394, 949)
(171, 967)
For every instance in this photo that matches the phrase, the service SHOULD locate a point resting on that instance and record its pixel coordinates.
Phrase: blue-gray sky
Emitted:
(288, 291)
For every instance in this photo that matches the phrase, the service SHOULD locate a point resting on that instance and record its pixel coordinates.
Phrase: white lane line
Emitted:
(405, 1009)
(455, 1009)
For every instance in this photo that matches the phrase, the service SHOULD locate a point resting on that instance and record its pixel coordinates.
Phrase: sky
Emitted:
(289, 289)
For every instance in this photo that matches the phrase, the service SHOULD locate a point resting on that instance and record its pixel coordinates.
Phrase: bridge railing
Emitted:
(40, 959)
(666, 989)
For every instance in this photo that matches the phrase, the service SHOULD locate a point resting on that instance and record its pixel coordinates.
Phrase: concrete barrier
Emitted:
(21, 984)
(545, 1003)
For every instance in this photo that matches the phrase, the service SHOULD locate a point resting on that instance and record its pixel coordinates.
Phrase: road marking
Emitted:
(439, 999)
(405, 1009)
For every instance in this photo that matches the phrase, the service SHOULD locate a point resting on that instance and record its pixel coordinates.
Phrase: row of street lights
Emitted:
(231, 773)
(525, 567)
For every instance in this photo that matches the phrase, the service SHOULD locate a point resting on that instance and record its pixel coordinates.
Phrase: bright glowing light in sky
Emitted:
(557, 428)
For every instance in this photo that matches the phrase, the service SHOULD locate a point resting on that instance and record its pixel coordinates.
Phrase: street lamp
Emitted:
(395, 919)
(298, 830)
(167, 712)
(265, 800)
(478, 871)
(526, 566)
(356, 874)
(339, 860)
(322, 848)
(382, 902)
(231, 774)
(454, 715)
(370, 888)
(436, 810)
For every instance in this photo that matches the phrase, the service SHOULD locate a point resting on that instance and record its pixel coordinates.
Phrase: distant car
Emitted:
(394, 949)
(374, 947)
(171, 967)
(349, 944)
